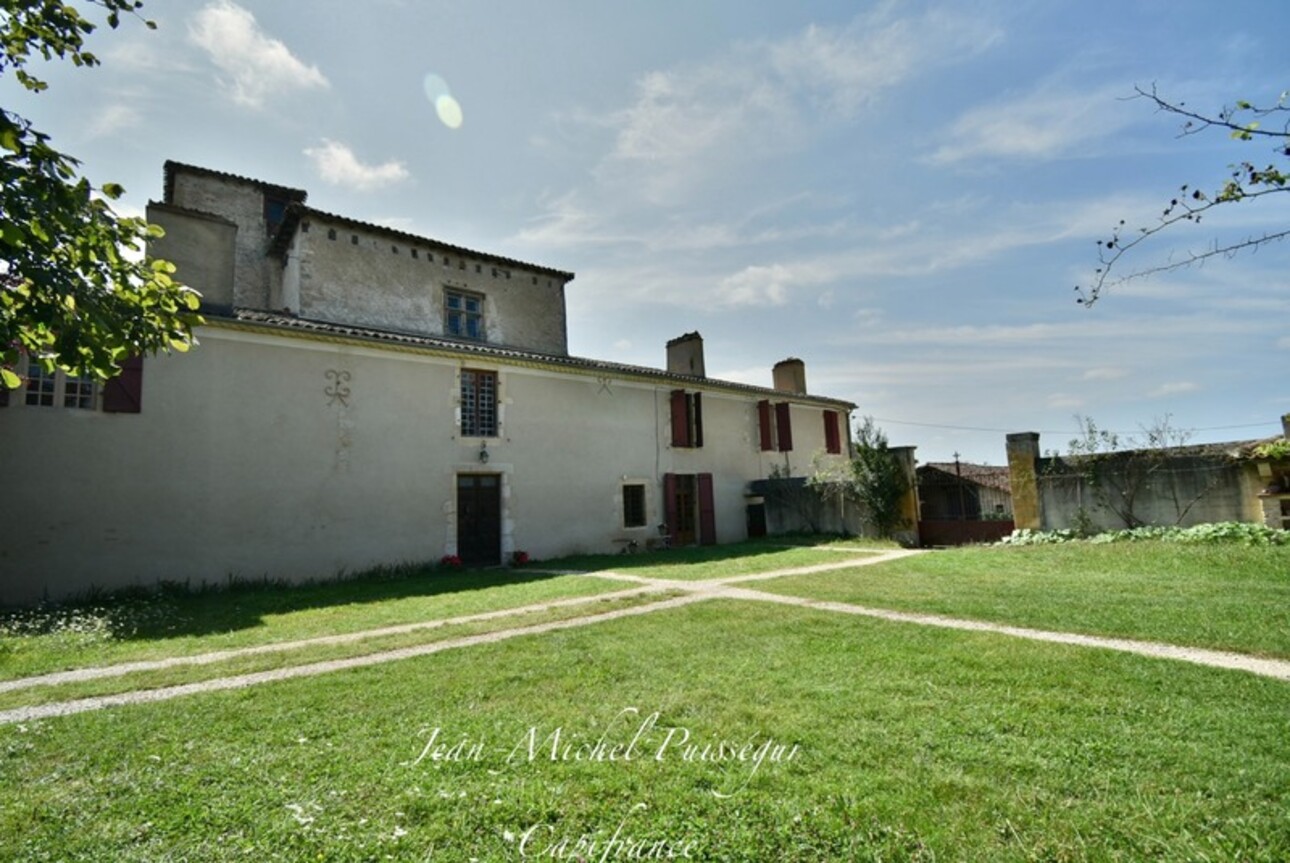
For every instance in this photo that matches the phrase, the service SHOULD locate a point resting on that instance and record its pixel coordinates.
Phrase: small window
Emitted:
(478, 403)
(275, 210)
(634, 505)
(463, 315)
(56, 388)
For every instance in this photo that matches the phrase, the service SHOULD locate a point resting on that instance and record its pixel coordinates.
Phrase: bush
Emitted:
(1227, 532)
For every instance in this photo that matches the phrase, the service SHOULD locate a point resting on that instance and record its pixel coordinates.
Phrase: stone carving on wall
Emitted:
(338, 390)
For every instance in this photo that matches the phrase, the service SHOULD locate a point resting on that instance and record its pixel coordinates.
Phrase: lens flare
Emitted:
(448, 108)
(449, 111)
(434, 87)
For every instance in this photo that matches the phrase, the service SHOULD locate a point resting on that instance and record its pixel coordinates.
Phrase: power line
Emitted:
(1061, 431)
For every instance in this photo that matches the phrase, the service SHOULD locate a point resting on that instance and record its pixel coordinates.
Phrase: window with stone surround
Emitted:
(478, 403)
(463, 315)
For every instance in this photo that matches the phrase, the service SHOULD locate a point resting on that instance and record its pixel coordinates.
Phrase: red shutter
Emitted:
(123, 394)
(784, 426)
(669, 503)
(680, 419)
(697, 414)
(763, 425)
(707, 511)
(832, 443)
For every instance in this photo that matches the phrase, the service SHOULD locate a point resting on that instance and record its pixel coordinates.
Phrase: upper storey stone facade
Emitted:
(245, 243)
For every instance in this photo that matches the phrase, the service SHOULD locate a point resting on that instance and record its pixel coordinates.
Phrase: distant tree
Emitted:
(1247, 181)
(1122, 473)
(76, 292)
(879, 480)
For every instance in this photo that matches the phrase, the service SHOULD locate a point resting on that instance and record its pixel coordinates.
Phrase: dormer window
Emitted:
(463, 315)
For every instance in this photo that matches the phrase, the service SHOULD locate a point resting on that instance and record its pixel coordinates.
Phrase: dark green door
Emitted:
(479, 519)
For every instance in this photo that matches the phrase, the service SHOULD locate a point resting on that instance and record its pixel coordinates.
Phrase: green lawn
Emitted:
(176, 623)
(911, 743)
(721, 561)
(1227, 597)
(876, 740)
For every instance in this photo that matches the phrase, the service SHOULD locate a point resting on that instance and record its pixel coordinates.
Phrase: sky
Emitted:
(903, 195)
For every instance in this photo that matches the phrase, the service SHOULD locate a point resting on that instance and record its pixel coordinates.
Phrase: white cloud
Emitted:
(1049, 122)
(111, 119)
(256, 65)
(688, 122)
(1284, 343)
(1104, 373)
(768, 285)
(1172, 389)
(337, 164)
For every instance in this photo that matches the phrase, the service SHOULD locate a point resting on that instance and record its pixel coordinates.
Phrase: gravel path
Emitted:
(694, 591)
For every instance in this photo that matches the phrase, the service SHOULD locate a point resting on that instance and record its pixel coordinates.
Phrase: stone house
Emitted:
(363, 396)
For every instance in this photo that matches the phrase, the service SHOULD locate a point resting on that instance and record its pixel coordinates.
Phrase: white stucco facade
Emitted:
(328, 438)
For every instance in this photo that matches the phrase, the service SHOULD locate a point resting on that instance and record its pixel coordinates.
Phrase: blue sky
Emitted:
(901, 194)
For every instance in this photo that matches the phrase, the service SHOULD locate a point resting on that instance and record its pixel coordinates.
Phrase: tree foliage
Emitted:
(76, 291)
(1246, 181)
(880, 482)
(1123, 473)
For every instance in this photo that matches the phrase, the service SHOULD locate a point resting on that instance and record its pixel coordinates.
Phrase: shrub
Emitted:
(1227, 532)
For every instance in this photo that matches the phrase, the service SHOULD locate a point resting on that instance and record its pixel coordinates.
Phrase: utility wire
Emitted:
(1062, 431)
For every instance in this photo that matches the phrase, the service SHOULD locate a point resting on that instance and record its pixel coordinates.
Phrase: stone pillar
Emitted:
(907, 535)
(1285, 426)
(1027, 508)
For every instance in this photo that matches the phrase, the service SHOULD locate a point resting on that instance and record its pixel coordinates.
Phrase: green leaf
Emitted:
(9, 379)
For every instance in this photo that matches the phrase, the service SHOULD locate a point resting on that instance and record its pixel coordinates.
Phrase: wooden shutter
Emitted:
(696, 415)
(784, 426)
(669, 503)
(832, 443)
(4, 396)
(680, 419)
(123, 394)
(707, 511)
(763, 425)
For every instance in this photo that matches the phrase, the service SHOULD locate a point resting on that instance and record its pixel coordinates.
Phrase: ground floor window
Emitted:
(51, 388)
(634, 505)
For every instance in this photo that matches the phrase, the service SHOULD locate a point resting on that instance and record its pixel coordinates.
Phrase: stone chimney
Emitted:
(685, 355)
(790, 376)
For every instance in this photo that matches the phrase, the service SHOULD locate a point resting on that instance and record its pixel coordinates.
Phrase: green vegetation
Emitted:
(75, 291)
(1220, 533)
(878, 740)
(1222, 596)
(178, 622)
(912, 744)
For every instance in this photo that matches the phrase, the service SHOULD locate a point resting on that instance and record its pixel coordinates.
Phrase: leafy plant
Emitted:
(1275, 450)
(76, 292)
(880, 482)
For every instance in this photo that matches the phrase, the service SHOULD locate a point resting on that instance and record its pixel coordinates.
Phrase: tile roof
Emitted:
(989, 476)
(259, 318)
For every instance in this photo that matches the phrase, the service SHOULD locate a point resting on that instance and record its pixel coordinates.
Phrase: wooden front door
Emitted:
(479, 519)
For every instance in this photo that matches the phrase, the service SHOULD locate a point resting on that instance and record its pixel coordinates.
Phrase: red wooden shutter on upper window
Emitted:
(763, 425)
(707, 511)
(832, 442)
(784, 426)
(696, 413)
(123, 394)
(680, 419)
